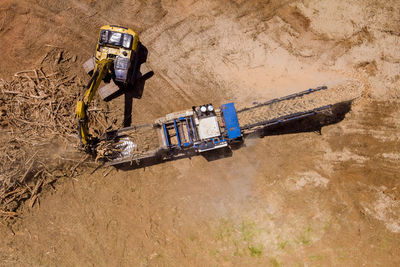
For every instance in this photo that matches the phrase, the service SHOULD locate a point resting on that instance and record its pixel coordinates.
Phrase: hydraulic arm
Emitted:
(102, 68)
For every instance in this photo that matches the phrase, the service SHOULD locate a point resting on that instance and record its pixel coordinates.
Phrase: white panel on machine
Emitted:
(208, 127)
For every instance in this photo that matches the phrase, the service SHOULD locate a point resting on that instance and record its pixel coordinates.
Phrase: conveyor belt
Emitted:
(295, 116)
(295, 106)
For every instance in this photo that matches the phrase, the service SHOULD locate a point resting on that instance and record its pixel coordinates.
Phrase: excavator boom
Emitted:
(100, 71)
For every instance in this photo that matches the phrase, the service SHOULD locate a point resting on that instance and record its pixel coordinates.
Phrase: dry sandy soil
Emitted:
(291, 199)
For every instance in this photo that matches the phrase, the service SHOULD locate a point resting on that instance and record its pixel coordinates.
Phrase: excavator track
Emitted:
(306, 103)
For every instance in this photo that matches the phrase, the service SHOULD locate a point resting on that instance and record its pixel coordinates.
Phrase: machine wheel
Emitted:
(106, 92)
(89, 65)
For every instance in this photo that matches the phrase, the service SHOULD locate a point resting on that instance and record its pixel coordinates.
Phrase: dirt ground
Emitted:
(304, 198)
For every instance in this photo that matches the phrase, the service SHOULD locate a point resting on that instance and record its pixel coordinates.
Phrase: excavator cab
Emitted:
(121, 45)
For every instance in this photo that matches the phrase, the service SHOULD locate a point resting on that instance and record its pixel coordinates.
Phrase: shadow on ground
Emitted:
(136, 90)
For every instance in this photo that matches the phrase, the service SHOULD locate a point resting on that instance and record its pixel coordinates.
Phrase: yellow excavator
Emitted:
(116, 62)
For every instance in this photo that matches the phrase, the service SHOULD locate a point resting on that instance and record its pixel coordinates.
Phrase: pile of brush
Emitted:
(38, 130)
